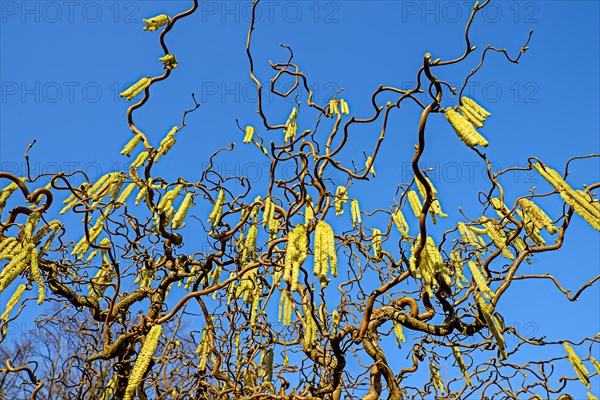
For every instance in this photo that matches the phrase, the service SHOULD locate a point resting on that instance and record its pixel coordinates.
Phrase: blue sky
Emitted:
(63, 66)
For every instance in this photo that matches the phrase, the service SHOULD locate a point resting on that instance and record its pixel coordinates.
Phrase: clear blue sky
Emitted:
(64, 63)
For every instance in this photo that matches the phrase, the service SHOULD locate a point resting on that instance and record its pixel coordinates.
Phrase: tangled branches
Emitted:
(162, 298)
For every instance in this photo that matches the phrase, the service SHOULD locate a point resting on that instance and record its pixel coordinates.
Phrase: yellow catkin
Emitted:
(288, 302)
(400, 222)
(143, 193)
(457, 264)
(139, 160)
(131, 145)
(166, 143)
(73, 198)
(281, 306)
(476, 107)
(246, 286)
(97, 284)
(32, 222)
(309, 210)
(116, 186)
(461, 364)
(54, 227)
(596, 364)
(532, 231)
(331, 253)
(249, 248)
(136, 88)
(333, 108)
(370, 165)
(591, 396)
(109, 390)
(273, 228)
(5, 193)
(295, 254)
(230, 288)
(143, 361)
(44, 230)
(12, 248)
(255, 303)
(415, 203)
(399, 332)
(101, 184)
(169, 61)
(580, 369)
(412, 266)
(430, 265)
(537, 215)
(15, 267)
(125, 194)
(464, 129)
(498, 236)
(324, 250)
(341, 197)
(344, 107)
(7, 245)
(255, 209)
(249, 133)
(268, 213)
(111, 186)
(376, 242)
(467, 235)
(310, 332)
(471, 116)
(355, 212)
(583, 206)
(217, 211)
(335, 320)
(480, 281)
(35, 274)
(291, 126)
(499, 206)
(82, 247)
(491, 325)
(12, 302)
(182, 211)
(435, 208)
(156, 22)
(436, 378)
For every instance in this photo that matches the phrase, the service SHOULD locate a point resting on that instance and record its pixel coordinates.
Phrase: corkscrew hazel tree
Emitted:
(157, 317)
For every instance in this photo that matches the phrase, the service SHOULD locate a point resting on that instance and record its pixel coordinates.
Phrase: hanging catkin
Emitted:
(580, 369)
(461, 364)
(324, 250)
(143, 361)
(464, 129)
(415, 203)
(295, 254)
(341, 197)
(400, 222)
(217, 211)
(535, 214)
(435, 208)
(582, 203)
